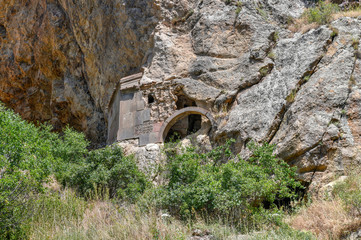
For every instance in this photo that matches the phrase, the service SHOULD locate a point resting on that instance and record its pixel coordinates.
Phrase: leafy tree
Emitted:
(29, 154)
(233, 190)
(25, 163)
(108, 171)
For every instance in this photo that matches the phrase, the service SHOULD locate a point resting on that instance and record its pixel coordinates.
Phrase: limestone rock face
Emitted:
(60, 61)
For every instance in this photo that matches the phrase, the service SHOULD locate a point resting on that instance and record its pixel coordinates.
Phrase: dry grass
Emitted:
(101, 220)
(63, 215)
(302, 25)
(325, 219)
(352, 13)
(133, 224)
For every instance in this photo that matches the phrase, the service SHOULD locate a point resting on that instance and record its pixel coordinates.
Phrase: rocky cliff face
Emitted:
(61, 59)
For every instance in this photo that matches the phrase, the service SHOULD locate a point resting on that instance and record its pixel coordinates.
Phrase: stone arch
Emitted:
(179, 114)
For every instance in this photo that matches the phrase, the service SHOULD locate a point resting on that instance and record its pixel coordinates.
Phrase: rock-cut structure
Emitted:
(133, 112)
(246, 72)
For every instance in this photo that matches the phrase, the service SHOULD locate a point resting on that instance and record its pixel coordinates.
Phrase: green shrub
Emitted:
(17, 195)
(71, 147)
(321, 13)
(272, 55)
(107, 171)
(233, 190)
(25, 163)
(215, 184)
(349, 191)
(69, 150)
(264, 71)
(355, 43)
(285, 233)
(28, 156)
(23, 146)
(38, 150)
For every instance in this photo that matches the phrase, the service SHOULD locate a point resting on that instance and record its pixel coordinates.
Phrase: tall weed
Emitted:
(321, 13)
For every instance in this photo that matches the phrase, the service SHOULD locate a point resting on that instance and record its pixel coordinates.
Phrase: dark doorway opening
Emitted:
(184, 127)
(184, 102)
(194, 123)
(151, 99)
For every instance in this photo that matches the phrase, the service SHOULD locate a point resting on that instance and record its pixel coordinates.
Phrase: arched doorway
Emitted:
(194, 116)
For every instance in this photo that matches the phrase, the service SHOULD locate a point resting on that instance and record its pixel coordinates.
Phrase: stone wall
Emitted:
(165, 99)
(146, 112)
(138, 111)
(61, 59)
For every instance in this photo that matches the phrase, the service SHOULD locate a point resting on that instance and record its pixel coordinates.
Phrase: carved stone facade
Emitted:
(147, 112)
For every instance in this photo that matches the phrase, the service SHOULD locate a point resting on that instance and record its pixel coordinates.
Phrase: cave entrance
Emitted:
(184, 127)
(184, 122)
(184, 102)
(187, 124)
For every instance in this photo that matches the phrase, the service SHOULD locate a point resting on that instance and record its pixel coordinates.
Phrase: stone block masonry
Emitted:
(138, 112)
(146, 112)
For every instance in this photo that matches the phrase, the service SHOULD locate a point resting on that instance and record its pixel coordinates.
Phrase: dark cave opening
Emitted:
(151, 99)
(3, 31)
(184, 127)
(184, 102)
(286, 202)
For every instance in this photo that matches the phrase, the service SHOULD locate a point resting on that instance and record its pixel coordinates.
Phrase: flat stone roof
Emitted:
(128, 82)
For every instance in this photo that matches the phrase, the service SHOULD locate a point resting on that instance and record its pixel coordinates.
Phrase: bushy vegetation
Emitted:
(109, 173)
(103, 194)
(25, 163)
(224, 186)
(30, 154)
(349, 191)
(70, 217)
(321, 13)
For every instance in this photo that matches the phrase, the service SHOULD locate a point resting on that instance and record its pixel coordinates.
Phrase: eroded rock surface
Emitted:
(60, 61)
